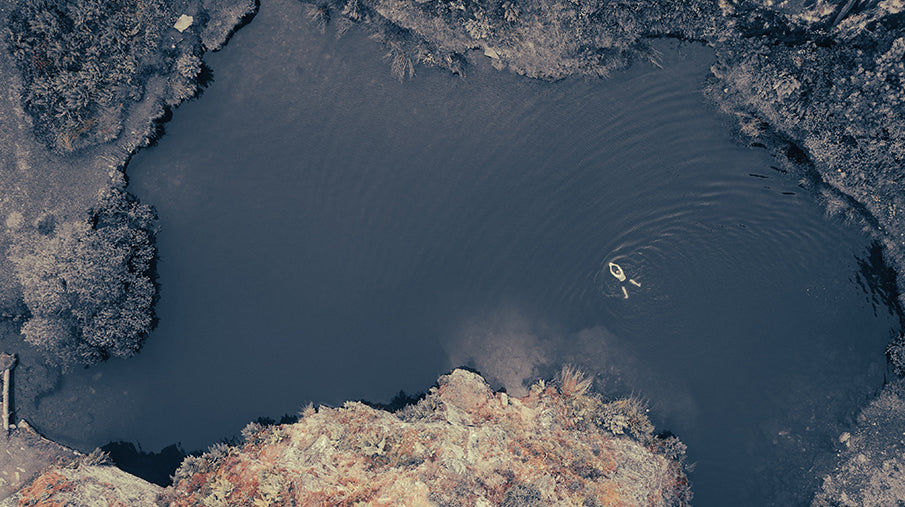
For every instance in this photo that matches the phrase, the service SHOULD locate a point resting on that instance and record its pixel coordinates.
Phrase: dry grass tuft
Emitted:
(96, 457)
(573, 382)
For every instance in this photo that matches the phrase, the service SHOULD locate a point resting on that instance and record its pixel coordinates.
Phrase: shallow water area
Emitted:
(330, 234)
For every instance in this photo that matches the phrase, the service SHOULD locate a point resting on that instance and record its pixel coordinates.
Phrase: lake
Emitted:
(330, 233)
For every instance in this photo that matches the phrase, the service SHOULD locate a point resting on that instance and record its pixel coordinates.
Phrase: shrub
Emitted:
(81, 61)
(88, 284)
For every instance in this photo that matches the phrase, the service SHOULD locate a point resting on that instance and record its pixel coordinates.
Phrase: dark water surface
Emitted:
(332, 234)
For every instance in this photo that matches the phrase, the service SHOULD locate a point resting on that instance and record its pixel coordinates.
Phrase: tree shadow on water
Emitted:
(156, 467)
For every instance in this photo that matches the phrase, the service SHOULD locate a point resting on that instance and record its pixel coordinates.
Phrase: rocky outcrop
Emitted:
(463, 444)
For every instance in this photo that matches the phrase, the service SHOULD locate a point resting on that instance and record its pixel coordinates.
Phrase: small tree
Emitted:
(89, 284)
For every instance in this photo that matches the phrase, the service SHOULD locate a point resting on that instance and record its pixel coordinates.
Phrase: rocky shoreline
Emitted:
(462, 444)
(826, 96)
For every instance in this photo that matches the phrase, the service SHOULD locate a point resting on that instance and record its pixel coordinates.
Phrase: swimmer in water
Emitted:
(616, 271)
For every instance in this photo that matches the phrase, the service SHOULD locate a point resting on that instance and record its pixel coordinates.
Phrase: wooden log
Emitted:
(7, 362)
(6, 400)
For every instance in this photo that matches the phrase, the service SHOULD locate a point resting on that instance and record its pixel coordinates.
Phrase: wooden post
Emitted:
(7, 361)
(6, 400)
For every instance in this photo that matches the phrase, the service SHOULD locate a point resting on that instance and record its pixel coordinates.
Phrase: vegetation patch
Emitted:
(548, 39)
(89, 284)
(83, 61)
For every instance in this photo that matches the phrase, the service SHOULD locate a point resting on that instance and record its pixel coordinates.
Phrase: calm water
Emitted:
(332, 234)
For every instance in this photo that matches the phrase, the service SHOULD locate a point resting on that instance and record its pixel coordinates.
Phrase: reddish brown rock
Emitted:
(461, 445)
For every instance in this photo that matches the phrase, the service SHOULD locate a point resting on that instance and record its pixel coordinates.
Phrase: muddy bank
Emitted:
(25, 454)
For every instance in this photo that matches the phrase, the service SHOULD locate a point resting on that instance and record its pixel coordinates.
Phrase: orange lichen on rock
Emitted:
(463, 444)
(43, 490)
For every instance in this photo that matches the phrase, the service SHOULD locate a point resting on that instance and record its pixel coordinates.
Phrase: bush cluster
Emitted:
(89, 284)
(84, 61)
